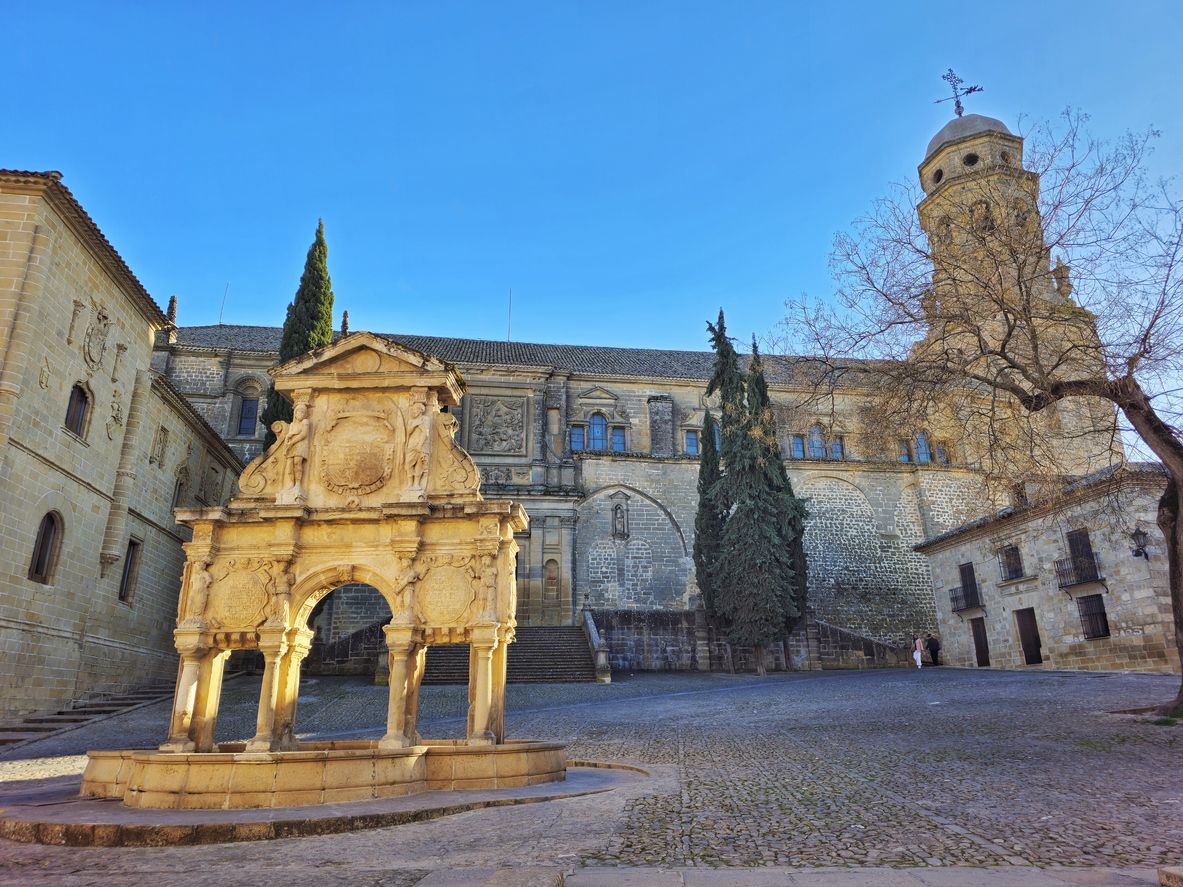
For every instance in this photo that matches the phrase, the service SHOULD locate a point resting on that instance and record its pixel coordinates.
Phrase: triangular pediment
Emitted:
(597, 393)
(361, 353)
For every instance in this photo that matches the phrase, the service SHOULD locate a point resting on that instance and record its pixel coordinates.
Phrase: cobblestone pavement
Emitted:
(896, 768)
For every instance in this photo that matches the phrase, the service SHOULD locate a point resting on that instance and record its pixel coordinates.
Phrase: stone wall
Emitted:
(73, 636)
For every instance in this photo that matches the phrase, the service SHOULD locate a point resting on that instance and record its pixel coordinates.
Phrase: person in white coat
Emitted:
(917, 649)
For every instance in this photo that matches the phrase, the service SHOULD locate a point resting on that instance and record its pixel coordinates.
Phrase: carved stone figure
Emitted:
(78, 306)
(119, 349)
(415, 456)
(199, 582)
(116, 419)
(296, 443)
(43, 376)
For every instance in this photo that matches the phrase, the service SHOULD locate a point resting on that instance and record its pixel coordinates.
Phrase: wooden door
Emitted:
(981, 645)
(1029, 636)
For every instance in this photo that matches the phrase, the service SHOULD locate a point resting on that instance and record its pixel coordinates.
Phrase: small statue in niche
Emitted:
(619, 523)
(296, 449)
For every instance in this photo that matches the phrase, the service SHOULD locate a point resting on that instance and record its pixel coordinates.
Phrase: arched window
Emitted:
(837, 448)
(941, 453)
(246, 408)
(817, 443)
(923, 448)
(599, 433)
(45, 549)
(78, 411)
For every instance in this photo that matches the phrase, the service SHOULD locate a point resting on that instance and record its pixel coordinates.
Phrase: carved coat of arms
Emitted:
(94, 343)
(357, 451)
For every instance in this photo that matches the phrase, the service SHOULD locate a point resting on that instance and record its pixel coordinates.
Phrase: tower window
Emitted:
(599, 433)
(970, 159)
(78, 410)
(937, 176)
(45, 549)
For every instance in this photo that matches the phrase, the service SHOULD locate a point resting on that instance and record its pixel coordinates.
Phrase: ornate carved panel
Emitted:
(497, 424)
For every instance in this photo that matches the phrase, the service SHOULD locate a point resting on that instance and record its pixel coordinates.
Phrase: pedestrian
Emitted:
(917, 649)
(934, 649)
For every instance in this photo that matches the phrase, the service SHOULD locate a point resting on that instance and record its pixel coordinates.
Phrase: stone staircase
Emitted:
(539, 654)
(42, 726)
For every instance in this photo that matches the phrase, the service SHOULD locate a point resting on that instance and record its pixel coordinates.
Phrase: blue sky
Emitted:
(626, 167)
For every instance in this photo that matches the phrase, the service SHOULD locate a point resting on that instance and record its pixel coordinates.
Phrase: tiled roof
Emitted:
(1072, 486)
(645, 363)
(68, 202)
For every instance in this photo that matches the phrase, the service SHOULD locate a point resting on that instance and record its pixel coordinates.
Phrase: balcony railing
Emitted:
(1076, 571)
(965, 597)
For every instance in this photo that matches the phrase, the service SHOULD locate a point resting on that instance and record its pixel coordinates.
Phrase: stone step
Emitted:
(62, 719)
(10, 737)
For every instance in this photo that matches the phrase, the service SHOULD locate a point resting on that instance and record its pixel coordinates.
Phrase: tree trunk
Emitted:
(758, 650)
(1169, 507)
(1161, 439)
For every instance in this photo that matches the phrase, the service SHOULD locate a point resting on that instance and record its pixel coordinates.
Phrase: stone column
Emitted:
(399, 643)
(125, 475)
(17, 308)
(208, 698)
(497, 702)
(186, 693)
(272, 647)
(480, 684)
(299, 643)
(416, 662)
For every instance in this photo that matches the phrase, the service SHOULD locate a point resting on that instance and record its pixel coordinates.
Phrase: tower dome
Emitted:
(963, 127)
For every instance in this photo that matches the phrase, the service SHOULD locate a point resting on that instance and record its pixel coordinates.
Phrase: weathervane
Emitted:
(954, 82)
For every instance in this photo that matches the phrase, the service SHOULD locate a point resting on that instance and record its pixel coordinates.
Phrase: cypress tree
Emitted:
(309, 322)
(728, 381)
(791, 510)
(708, 522)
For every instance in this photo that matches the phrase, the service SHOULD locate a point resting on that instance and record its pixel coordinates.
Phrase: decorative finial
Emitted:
(171, 314)
(954, 83)
(344, 324)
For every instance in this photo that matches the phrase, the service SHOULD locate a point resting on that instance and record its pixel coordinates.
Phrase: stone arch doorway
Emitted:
(347, 637)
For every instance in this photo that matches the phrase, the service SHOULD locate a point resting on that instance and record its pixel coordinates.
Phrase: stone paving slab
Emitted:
(1010, 876)
(50, 812)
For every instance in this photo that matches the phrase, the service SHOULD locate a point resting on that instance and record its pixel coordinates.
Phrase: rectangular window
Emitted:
(837, 449)
(942, 454)
(1092, 616)
(1010, 560)
(692, 443)
(905, 451)
(578, 438)
(248, 417)
(618, 440)
(131, 570)
(798, 446)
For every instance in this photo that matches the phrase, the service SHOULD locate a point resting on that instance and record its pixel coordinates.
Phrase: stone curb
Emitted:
(132, 834)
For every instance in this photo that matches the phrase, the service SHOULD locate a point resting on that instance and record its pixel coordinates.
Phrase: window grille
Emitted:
(1092, 616)
(1010, 560)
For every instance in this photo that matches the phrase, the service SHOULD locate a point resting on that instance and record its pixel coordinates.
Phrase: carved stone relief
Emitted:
(119, 349)
(94, 343)
(357, 453)
(116, 418)
(497, 424)
(43, 376)
(447, 590)
(78, 306)
(244, 587)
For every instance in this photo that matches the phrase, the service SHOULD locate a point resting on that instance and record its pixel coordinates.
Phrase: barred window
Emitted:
(1010, 560)
(1092, 616)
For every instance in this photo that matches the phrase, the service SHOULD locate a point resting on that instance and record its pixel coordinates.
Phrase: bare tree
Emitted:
(1034, 302)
